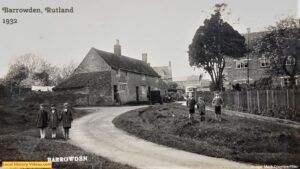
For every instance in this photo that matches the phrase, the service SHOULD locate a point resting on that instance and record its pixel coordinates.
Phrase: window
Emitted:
(143, 77)
(286, 81)
(264, 62)
(118, 72)
(290, 60)
(123, 86)
(242, 64)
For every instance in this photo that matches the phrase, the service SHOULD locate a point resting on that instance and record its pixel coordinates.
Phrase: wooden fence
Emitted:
(284, 103)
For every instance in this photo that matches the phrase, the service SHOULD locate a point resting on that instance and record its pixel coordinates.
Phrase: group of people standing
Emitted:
(52, 118)
(191, 103)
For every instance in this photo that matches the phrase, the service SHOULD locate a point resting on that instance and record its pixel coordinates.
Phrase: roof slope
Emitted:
(126, 63)
(80, 80)
(163, 71)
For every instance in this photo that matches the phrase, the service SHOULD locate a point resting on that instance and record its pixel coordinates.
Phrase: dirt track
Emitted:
(96, 133)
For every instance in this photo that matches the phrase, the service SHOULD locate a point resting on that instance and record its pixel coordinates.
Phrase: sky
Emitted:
(161, 28)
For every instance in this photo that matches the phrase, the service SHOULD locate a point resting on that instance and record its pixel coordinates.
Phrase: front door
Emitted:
(116, 94)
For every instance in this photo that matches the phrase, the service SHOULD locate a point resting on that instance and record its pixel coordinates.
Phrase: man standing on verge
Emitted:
(217, 103)
(191, 102)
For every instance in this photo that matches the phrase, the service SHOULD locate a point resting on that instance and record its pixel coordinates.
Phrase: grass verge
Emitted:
(235, 138)
(19, 140)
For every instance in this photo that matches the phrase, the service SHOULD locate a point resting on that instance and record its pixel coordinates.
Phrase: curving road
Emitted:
(95, 133)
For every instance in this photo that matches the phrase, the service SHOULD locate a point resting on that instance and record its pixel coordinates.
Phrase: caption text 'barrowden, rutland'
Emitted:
(38, 10)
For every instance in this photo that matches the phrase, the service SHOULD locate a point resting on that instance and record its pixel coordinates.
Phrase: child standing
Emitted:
(41, 120)
(66, 118)
(191, 102)
(53, 120)
(201, 108)
(217, 102)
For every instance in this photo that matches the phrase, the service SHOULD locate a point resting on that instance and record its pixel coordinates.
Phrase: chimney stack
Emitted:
(144, 57)
(117, 48)
(170, 65)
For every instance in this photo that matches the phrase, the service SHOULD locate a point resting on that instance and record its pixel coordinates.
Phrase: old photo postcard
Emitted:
(150, 84)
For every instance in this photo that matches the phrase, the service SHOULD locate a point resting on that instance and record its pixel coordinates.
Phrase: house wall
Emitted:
(128, 81)
(92, 63)
(100, 90)
(234, 75)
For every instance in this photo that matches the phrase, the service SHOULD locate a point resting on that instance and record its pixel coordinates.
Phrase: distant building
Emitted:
(105, 78)
(165, 72)
(192, 83)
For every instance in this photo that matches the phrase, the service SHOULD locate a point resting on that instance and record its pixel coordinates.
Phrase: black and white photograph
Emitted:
(150, 84)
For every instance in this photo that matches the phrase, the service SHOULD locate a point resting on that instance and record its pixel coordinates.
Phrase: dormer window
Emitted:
(264, 62)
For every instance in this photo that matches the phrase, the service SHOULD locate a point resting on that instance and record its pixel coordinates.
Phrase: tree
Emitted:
(42, 76)
(214, 41)
(68, 69)
(172, 85)
(280, 47)
(16, 74)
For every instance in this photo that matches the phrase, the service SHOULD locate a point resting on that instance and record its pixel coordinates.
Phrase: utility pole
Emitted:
(248, 55)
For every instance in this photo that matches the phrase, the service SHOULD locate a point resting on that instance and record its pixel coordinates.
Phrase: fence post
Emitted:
(273, 101)
(287, 98)
(294, 98)
(248, 106)
(238, 98)
(258, 105)
(267, 100)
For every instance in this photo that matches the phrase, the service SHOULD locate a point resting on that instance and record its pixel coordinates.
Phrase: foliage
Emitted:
(279, 45)
(16, 74)
(172, 85)
(30, 69)
(214, 41)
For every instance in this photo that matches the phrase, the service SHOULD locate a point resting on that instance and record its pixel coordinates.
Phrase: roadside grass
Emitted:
(19, 140)
(235, 138)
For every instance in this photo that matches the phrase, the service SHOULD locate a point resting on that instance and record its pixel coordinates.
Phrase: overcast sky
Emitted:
(161, 28)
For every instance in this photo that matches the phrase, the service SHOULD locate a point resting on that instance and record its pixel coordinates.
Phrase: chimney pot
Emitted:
(145, 57)
(117, 48)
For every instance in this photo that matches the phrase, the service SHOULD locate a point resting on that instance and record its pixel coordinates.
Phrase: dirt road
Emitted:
(96, 133)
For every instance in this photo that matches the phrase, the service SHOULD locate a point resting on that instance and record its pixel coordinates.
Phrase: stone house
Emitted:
(105, 78)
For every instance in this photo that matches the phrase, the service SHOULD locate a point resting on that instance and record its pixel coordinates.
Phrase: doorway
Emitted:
(137, 94)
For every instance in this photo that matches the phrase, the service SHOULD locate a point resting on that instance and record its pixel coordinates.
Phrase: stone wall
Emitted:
(127, 83)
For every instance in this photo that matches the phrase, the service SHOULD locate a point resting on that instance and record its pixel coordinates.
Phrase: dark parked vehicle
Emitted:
(155, 97)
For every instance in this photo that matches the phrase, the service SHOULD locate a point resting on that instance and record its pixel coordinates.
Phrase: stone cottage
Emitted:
(105, 78)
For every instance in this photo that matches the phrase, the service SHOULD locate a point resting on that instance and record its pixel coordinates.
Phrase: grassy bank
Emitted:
(234, 138)
(19, 139)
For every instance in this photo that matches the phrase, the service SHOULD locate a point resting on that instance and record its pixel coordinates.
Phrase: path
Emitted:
(95, 133)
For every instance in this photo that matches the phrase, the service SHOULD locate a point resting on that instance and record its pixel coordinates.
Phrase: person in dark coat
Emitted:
(53, 120)
(201, 108)
(41, 120)
(191, 102)
(66, 118)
